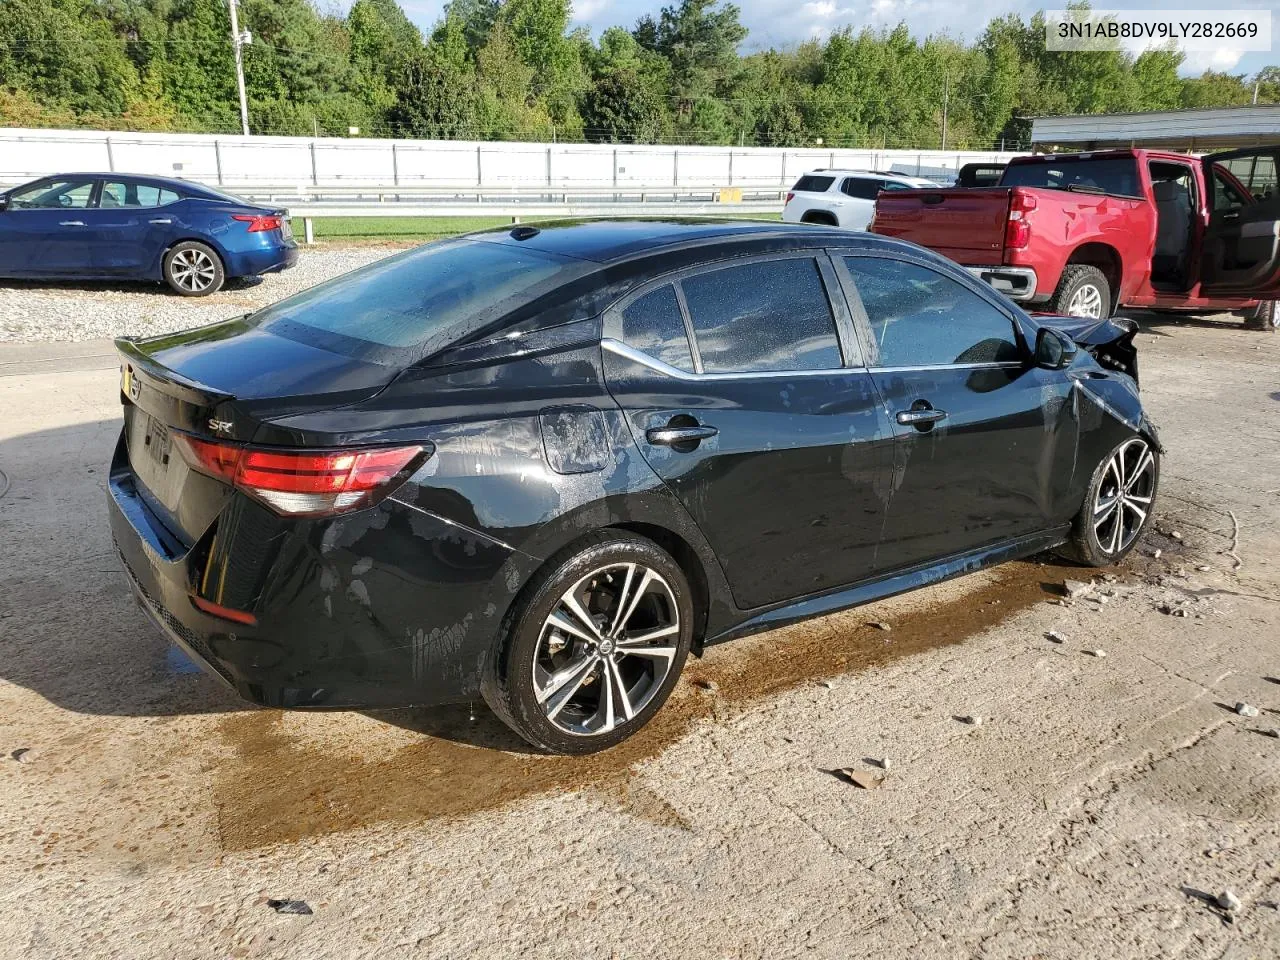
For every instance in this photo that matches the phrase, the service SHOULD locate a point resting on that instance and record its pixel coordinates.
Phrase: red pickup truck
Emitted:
(1082, 234)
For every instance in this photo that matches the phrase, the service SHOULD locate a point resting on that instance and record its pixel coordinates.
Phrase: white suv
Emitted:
(843, 198)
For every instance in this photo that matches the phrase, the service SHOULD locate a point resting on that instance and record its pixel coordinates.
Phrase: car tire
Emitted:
(573, 688)
(193, 269)
(1084, 289)
(1096, 541)
(1263, 317)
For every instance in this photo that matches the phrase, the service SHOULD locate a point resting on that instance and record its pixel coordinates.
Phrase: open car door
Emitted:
(1241, 255)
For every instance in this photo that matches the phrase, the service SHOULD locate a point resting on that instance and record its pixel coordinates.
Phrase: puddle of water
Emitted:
(277, 788)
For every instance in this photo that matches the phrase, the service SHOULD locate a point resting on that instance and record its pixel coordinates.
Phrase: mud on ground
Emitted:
(1098, 810)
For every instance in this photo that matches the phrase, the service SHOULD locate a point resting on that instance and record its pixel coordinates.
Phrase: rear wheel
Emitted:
(193, 269)
(822, 219)
(596, 645)
(1121, 496)
(1083, 291)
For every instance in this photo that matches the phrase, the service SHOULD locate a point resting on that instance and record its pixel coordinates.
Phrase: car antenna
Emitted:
(524, 233)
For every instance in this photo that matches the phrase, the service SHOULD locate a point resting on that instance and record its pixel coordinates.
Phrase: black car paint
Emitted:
(536, 424)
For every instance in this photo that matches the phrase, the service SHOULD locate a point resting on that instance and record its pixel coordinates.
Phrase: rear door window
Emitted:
(810, 183)
(654, 324)
(864, 188)
(920, 317)
(763, 315)
(123, 193)
(427, 296)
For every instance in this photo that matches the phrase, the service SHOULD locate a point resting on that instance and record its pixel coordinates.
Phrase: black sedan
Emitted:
(541, 465)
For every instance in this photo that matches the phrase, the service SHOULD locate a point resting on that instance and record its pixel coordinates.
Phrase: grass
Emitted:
(420, 228)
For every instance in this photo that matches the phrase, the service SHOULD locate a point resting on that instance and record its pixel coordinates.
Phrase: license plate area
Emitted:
(286, 228)
(156, 442)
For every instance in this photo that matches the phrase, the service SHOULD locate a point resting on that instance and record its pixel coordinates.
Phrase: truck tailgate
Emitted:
(967, 226)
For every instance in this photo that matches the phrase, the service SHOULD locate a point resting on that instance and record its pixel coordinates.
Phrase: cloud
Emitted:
(587, 10)
(1198, 61)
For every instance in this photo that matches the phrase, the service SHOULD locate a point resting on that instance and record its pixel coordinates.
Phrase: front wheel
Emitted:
(193, 269)
(1118, 506)
(595, 646)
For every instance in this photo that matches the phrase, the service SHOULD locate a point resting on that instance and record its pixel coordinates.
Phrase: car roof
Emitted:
(173, 183)
(606, 240)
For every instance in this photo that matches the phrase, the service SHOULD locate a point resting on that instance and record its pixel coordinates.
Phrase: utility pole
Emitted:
(946, 93)
(1256, 84)
(238, 40)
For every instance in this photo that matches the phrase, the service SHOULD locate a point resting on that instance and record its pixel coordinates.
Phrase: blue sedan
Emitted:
(98, 226)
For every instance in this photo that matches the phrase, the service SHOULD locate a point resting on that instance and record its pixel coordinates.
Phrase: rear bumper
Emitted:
(1016, 283)
(385, 607)
(252, 263)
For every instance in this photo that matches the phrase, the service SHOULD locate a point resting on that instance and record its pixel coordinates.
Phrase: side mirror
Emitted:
(4, 202)
(1054, 350)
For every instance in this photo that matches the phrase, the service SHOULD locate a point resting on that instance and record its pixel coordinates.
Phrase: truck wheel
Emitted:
(1263, 317)
(1083, 291)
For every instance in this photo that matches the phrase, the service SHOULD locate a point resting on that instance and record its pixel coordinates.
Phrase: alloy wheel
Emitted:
(606, 648)
(193, 270)
(1086, 302)
(1124, 496)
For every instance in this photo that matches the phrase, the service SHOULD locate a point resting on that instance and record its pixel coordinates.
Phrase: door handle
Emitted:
(71, 223)
(921, 417)
(160, 220)
(671, 436)
(1231, 216)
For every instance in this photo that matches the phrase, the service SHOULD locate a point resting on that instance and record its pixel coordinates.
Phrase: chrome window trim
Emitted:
(639, 356)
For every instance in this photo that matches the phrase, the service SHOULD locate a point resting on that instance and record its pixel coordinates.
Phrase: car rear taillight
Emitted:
(790, 196)
(1017, 232)
(258, 223)
(305, 482)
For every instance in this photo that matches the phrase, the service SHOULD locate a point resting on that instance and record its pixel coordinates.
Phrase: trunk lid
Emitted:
(967, 226)
(222, 382)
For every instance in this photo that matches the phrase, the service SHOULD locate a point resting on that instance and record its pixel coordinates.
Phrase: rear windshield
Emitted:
(424, 298)
(811, 184)
(1114, 175)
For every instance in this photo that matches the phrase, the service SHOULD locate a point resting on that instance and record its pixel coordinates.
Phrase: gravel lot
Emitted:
(1099, 810)
(87, 311)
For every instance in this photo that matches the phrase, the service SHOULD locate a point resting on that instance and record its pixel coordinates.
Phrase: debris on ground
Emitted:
(1271, 732)
(299, 907)
(1155, 555)
(861, 778)
(884, 763)
(879, 625)
(1055, 636)
(1246, 709)
(1228, 901)
(1076, 588)
(973, 720)
(710, 686)
(1204, 568)
(1175, 534)
(1173, 609)
(1235, 541)
(826, 683)
(23, 755)
(1097, 653)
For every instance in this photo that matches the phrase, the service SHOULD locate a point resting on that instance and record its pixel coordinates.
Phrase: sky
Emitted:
(782, 23)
